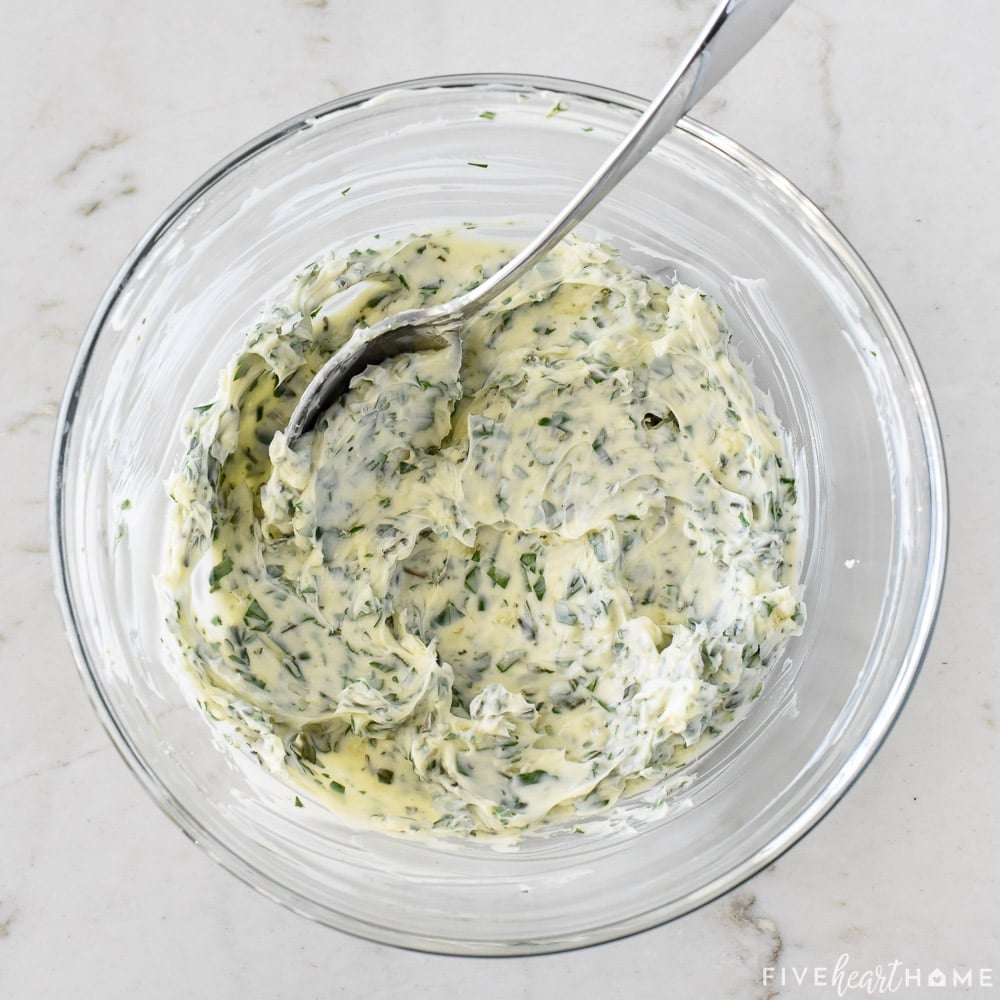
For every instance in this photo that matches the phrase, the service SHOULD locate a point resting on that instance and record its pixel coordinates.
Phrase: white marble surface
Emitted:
(885, 114)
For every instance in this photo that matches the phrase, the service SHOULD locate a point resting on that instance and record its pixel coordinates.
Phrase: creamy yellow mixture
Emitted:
(501, 583)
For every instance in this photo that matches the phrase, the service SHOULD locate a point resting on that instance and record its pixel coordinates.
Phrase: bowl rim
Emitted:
(824, 799)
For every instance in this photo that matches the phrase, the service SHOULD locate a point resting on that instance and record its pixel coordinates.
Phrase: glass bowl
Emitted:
(823, 341)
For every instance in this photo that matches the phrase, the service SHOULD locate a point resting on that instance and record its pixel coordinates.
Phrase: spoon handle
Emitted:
(732, 30)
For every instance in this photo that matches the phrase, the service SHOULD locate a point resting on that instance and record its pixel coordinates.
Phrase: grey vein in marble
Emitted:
(116, 139)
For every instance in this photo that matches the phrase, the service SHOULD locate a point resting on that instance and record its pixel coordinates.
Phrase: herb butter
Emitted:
(501, 583)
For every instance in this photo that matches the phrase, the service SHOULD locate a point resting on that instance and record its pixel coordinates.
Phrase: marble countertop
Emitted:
(885, 114)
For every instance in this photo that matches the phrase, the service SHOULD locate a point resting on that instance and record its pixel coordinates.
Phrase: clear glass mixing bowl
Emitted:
(804, 311)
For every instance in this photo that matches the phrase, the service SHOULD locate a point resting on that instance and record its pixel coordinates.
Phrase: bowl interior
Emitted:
(805, 314)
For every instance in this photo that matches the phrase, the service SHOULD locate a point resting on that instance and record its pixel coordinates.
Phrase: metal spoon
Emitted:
(733, 29)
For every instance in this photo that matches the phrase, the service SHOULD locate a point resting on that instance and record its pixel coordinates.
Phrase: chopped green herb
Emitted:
(220, 570)
(599, 545)
(255, 618)
(448, 615)
(532, 777)
(565, 615)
